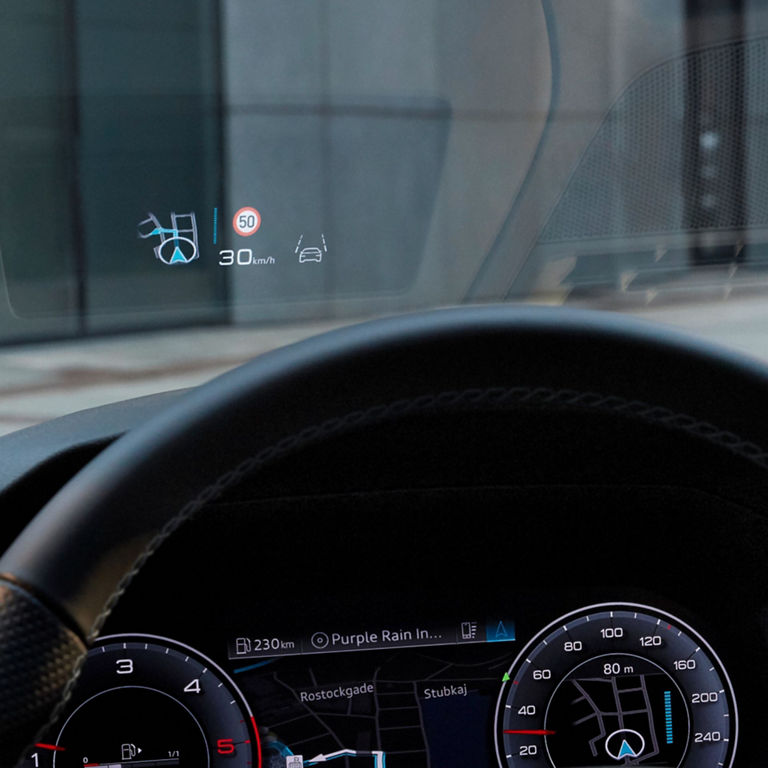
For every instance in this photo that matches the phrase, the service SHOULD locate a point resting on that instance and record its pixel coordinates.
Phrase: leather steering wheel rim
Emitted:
(70, 565)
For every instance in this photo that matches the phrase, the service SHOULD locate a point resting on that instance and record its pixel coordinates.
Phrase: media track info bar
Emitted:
(326, 640)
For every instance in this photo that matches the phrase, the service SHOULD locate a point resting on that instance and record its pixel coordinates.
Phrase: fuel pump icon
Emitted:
(128, 751)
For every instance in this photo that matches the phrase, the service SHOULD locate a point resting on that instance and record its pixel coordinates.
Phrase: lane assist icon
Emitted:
(311, 252)
(178, 243)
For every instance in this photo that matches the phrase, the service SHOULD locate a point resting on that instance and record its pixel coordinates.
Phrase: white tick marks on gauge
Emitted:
(147, 702)
(570, 694)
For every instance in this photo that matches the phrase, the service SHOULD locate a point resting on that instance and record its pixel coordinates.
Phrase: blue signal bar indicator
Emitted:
(668, 715)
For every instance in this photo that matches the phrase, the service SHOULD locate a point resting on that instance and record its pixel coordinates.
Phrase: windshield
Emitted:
(186, 184)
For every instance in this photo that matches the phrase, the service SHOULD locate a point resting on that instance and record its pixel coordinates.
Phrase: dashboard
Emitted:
(445, 650)
(529, 587)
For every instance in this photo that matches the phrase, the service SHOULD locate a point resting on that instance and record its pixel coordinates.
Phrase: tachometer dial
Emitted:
(148, 702)
(616, 685)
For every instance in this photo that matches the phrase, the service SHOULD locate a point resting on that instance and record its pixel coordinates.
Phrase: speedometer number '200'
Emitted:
(616, 685)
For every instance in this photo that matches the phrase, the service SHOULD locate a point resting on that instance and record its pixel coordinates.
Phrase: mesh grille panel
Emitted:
(637, 178)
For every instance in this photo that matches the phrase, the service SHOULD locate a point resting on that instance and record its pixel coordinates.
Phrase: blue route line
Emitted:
(253, 666)
(215, 224)
(165, 230)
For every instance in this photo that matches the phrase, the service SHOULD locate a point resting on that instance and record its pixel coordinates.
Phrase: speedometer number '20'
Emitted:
(616, 685)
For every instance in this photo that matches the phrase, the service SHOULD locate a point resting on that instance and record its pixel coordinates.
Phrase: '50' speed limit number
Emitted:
(246, 221)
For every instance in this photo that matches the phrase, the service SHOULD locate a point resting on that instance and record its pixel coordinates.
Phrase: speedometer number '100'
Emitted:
(616, 685)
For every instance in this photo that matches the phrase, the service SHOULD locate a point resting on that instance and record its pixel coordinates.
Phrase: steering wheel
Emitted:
(70, 566)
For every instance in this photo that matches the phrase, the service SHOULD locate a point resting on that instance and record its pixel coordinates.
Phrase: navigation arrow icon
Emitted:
(321, 758)
(625, 743)
(377, 755)
(177, 255)
(626, 750)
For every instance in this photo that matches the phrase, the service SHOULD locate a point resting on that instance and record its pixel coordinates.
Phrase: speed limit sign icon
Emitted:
(246, 221)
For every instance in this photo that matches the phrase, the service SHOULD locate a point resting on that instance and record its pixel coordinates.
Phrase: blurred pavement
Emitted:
(42, 381)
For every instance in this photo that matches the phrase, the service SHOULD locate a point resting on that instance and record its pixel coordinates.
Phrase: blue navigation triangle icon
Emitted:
(626, 750)
(501, 631)
(177, 255)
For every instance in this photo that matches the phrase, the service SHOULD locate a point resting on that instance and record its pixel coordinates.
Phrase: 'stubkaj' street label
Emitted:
(444, 691)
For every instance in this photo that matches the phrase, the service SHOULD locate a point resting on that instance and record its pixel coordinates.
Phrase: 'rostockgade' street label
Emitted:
(338, 692)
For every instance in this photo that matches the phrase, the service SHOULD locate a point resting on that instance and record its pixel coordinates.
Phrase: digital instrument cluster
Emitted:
(609, 684)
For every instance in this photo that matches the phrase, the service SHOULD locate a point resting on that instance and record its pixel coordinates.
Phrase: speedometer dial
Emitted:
(616, 685)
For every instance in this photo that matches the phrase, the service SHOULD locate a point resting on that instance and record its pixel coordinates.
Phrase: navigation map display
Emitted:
(398, 696)
(401, 708)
